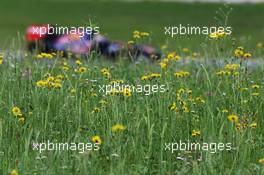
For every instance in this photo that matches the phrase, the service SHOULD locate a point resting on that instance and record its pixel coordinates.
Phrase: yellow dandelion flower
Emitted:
(57, 81)
(155, 75)
(200, 100)
(185, 109)
(181, 74)
(255, 86)
(60, 77)
(45, 55)
(233, 118)
(144, 77)
(221, 34)
(57, 85)
(82, 70)
(238, 53)
(41, 83)
(73, 91)
(247, 55)
(189, 92)
(21, 120)
(166, 60)
(118, 128)
(94, 94)
(145, 34)
(136, 32)
(240, 48)
(97, 139)
(178, 75)
(151, 76)
(196, 133)
(1, 59)
(261, 161)
(238, 126)
(65, 68)
(50, 84)
(39, 56)
(221, 73)
(78, 62)
(213, 35)
(224, 111)
(176, 58)
(96, 110)
(232, 67)
(117, 82)
(180, 91)
(217, 35)
(255, 94)
(173, 106)
(163, 65)
(131, 42)
(171, 55)
(16, 111)
(253, 125)
(136, 36)
(50, 79)
(14, 172)
(127, 92)
(103, 102)
(243, 89)
(105, 72)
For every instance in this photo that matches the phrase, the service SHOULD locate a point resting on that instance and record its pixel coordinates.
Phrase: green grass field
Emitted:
(57, 100)
(213, 95)
(119, 19)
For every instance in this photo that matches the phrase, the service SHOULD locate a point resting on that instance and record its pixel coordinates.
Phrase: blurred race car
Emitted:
(39, 39)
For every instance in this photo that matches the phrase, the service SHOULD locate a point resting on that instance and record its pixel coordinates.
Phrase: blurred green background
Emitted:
(119, 19)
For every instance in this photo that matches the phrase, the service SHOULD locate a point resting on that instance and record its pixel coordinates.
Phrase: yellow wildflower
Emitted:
(127, 92)
(173, 106)
(14, 172)
(224, 111)
(163, 65)
(118, 128)
(78, 62)
(261, 161)
(255, 86)
(82, 70)
(253, 125)
(1, 59)
(233, 118)
(16, 111)
(247, 55)
(96, 110)
(196, 133)
(97, 139)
